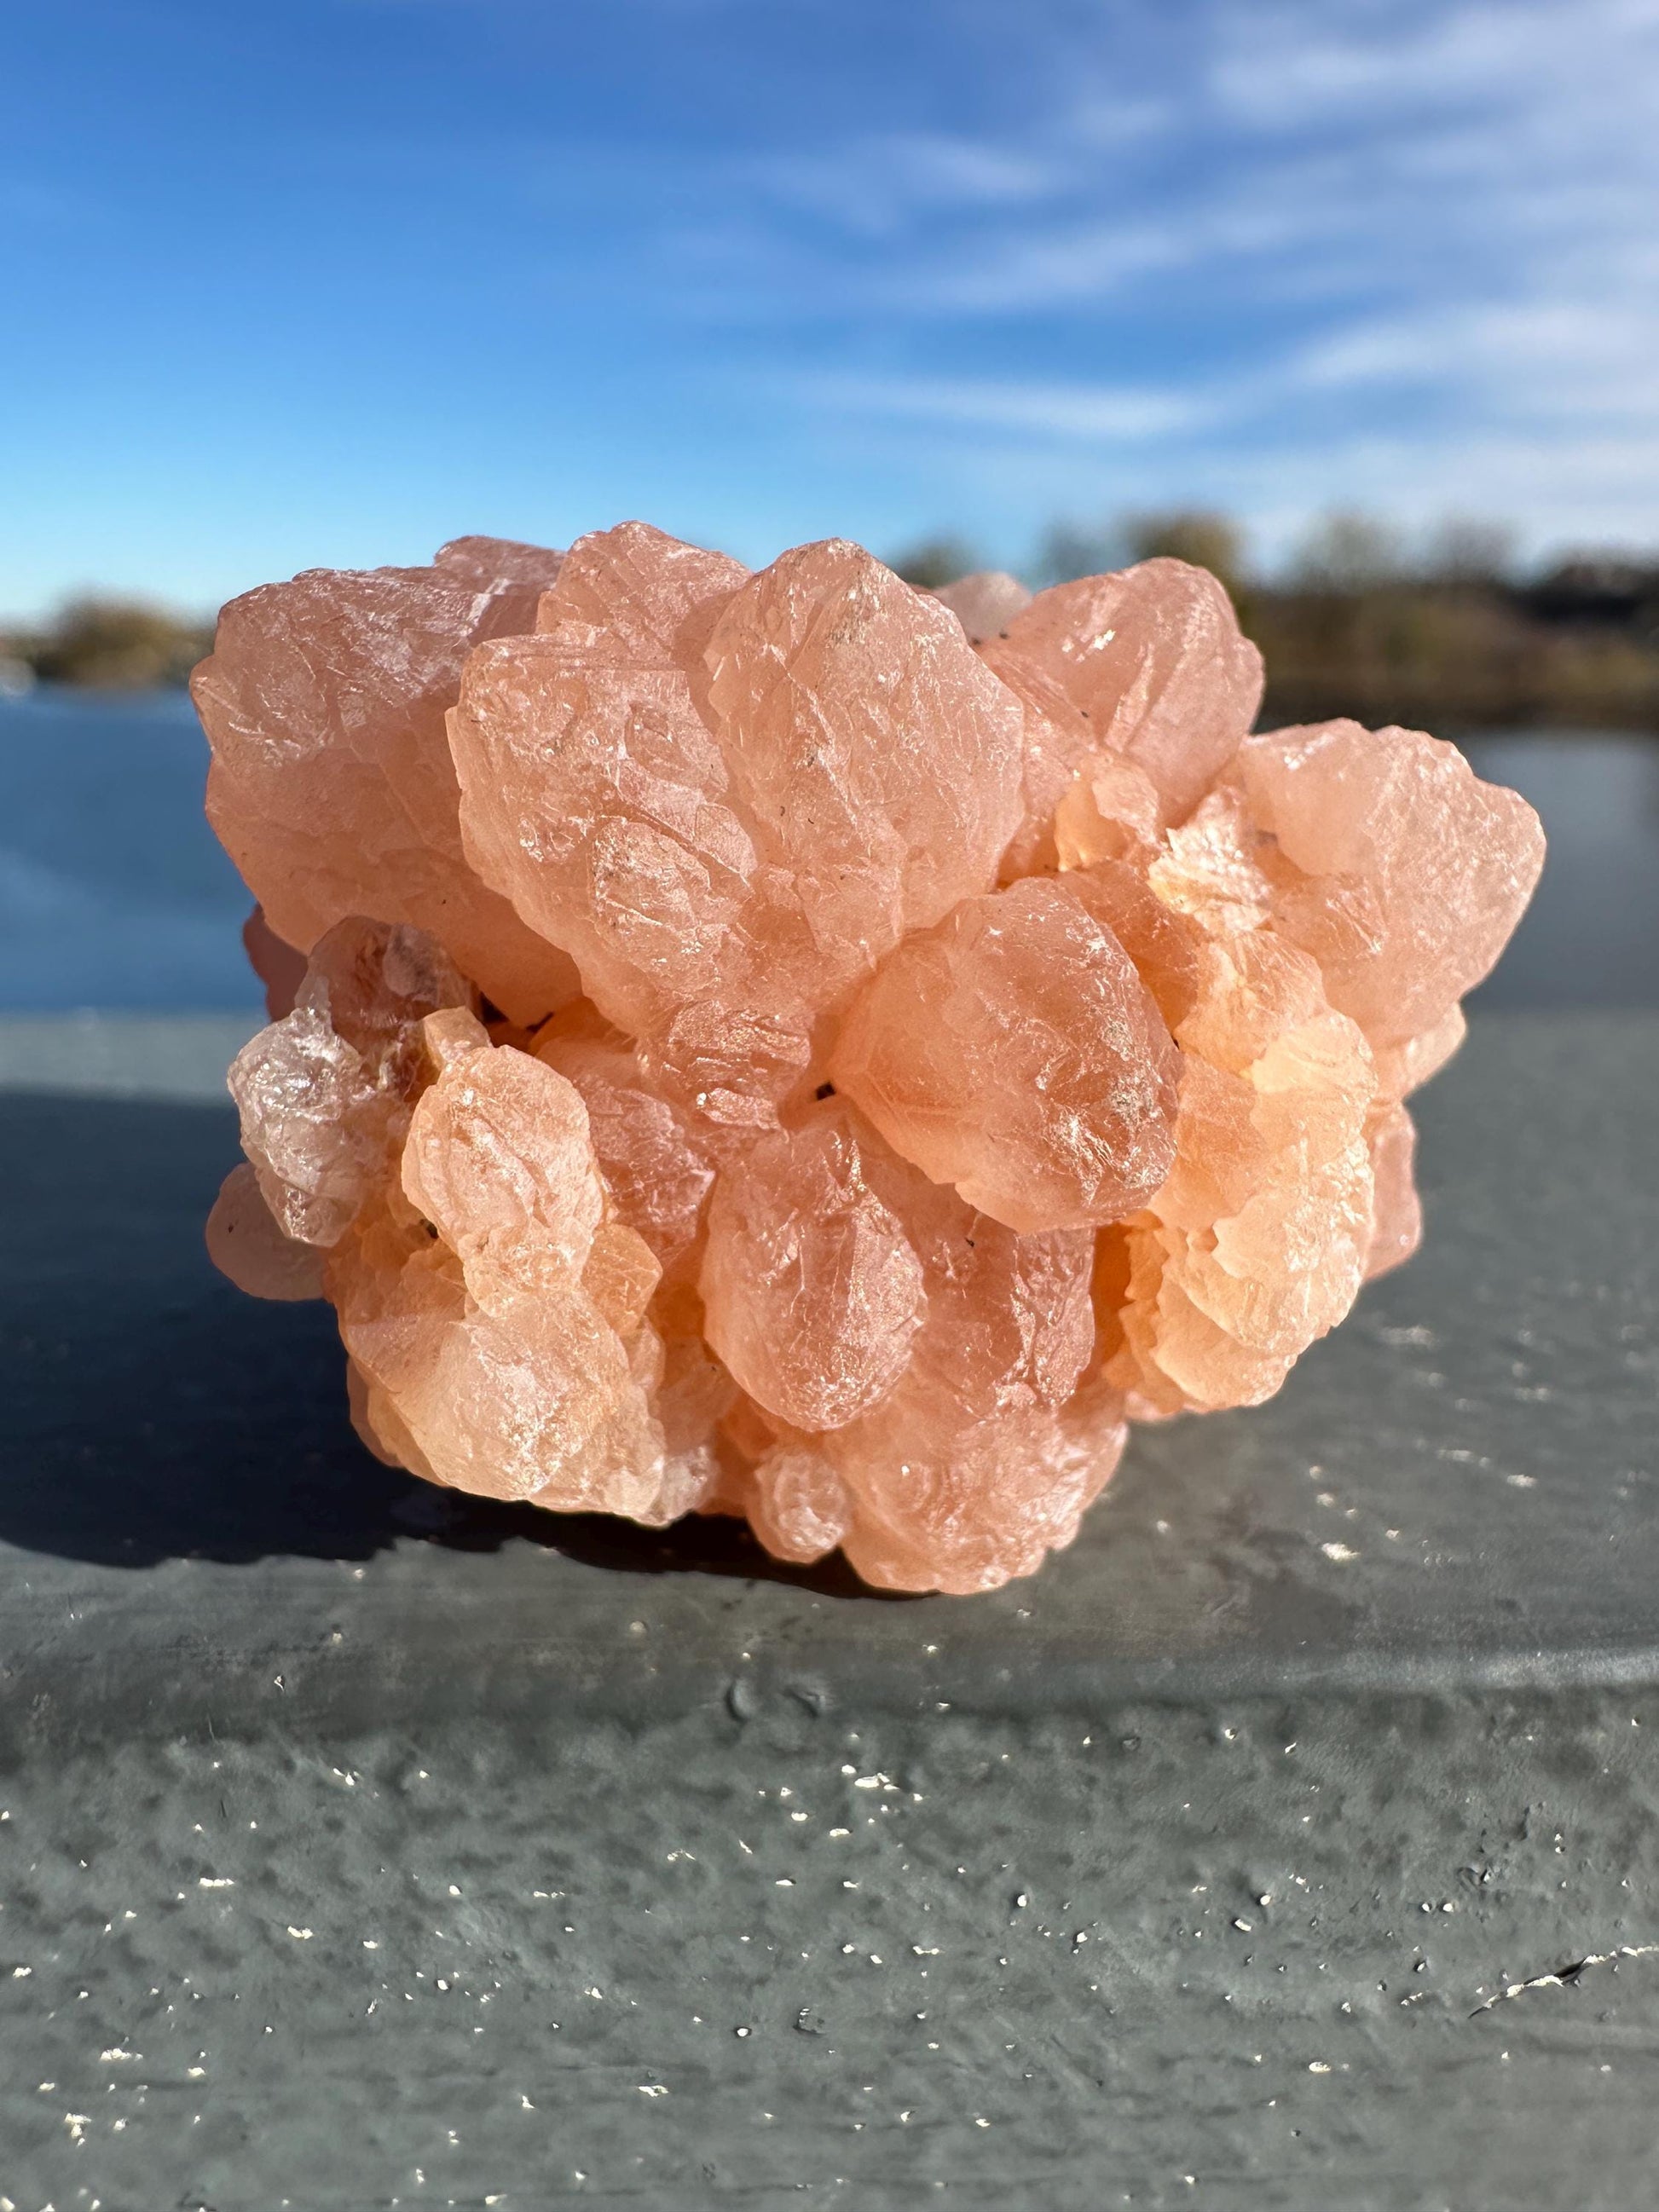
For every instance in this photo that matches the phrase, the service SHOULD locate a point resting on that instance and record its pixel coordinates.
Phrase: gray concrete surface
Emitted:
(1288, 1842)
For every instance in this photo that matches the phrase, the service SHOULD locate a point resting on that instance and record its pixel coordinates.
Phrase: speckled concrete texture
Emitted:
(1289, 1842)
(1067, 1960)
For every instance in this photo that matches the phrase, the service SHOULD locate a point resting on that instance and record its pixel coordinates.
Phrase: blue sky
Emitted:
(291, 281)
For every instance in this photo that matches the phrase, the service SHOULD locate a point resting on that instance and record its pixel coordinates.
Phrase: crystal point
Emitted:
(1068, 1119)
(1153, 659)
(331, 784)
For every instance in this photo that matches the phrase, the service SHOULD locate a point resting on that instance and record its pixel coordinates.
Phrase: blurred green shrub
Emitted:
(935, 561)
(114, 644)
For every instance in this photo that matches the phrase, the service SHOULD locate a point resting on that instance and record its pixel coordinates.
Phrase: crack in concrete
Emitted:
(1566, 1977)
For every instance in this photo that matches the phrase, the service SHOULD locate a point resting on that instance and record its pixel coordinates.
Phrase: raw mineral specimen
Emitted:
(795, 1046)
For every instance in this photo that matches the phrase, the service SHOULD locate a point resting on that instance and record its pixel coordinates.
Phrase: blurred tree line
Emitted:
(1448, 633)
(115, 644)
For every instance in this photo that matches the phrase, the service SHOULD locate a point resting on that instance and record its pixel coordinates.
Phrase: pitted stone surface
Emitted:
(984, 1961)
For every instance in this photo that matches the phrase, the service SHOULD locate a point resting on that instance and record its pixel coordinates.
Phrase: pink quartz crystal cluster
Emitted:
(787, 1045)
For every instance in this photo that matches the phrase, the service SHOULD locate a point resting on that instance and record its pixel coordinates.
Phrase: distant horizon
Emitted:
(323, 286)
(1415, 553)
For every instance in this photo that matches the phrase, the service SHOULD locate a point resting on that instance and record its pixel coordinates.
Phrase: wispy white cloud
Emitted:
(892, 182)
(1539, 357)
(878, 183)
(1595, 487)
(1362, 62)
(1106, 415)
(1419, 133)
(865, 264)
(1399, 250)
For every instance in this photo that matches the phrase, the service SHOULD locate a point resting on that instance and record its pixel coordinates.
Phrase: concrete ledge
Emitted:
(1384, 1652)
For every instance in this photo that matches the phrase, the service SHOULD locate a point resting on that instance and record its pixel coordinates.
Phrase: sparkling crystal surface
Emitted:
(792, 1045)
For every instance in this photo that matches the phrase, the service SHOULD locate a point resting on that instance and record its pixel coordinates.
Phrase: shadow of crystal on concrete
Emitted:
(154, 1413)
